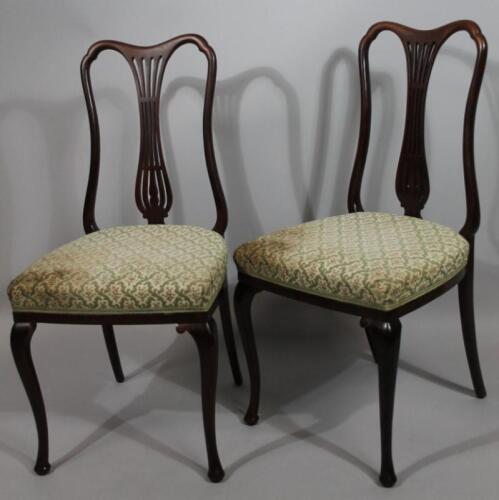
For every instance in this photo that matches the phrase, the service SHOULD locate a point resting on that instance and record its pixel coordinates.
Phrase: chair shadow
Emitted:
(341, 161)
(17, 455)
(449, 451)
(490, 93)
(286, 333)
(172, 360)
(279, 325)
(323, 135)
(6, 226)
(426, 375)
(122, 425)
(327, 357)
(57, 124)
(321, 361)
(310, 436)
(228, 100)
(284, 329)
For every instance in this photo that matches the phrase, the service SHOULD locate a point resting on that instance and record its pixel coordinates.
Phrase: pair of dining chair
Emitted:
(377, 266)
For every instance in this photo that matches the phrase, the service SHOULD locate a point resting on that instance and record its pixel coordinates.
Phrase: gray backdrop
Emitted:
(285, 118)
(285, 122)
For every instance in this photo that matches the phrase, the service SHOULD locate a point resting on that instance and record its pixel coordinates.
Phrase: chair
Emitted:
(133, 275)
(377, 266)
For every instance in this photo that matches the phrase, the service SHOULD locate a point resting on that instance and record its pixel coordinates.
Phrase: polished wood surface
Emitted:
(154, 198)
(383, 328)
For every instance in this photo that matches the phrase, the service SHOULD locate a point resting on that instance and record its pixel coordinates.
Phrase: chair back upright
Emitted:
(412, 182)
(153, 192)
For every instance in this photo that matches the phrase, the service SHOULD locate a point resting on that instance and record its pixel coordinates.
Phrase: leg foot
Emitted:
(251, 419)
(207, 344)
(229, 335)
(112, 350)
(385, 340)
(216, 473)
(243, 297)
(388, 478)
(42, 469)
(20, 341)
(466, 309)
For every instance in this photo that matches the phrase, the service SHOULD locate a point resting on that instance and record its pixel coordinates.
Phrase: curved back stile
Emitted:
(412, 182)
(180, 279)
(356, 264)
(153, 193)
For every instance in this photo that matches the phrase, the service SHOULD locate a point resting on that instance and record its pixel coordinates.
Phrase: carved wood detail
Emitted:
(412, 181)
(153, 192)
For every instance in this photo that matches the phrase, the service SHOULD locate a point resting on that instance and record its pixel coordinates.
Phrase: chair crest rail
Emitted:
(412, 181)
(153, 192)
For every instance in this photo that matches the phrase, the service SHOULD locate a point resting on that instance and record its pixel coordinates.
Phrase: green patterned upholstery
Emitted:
(376, 260)
(126, 270)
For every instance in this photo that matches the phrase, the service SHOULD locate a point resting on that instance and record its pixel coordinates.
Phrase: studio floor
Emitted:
(318, 437)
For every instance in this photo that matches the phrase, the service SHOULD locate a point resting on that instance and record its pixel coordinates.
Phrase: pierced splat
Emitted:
(412, 181)
(153, 193)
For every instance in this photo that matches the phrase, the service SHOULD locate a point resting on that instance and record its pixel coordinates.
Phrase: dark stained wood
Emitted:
(116, 319)
(467, 312)
(383, 328)
(384, 339)
(206, 340)
(153, 193)
(112, 350)
(20, 341)
(154, 199)
(353, 309)
(412, 184)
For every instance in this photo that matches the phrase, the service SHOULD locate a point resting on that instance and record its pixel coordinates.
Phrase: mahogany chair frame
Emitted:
(153, 196)
(383, 329)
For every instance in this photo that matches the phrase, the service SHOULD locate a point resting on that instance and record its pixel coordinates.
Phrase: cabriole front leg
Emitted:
(385, 342)
(20, 341)
(205, 337)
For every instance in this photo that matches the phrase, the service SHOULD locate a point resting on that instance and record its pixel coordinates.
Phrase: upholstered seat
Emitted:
(376, 260)
(126, 270)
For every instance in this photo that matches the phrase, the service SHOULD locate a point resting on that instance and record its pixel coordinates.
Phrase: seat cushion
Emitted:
(126, 270)
(376, 260)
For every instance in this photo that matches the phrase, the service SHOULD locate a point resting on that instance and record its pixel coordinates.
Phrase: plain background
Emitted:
(285, 122)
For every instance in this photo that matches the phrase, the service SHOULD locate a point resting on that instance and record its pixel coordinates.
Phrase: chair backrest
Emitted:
(412, 182)
(153, 193)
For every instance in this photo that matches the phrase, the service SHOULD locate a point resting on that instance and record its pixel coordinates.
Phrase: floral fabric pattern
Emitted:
(126, 270)
(376, 260)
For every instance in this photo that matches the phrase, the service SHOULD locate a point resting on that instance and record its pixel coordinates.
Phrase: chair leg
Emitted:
(385, 339)
(243, 297)
(112, 350)
(364, 324)
(207, 344)
(20, 341)
(229, 335)
(466, 310)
